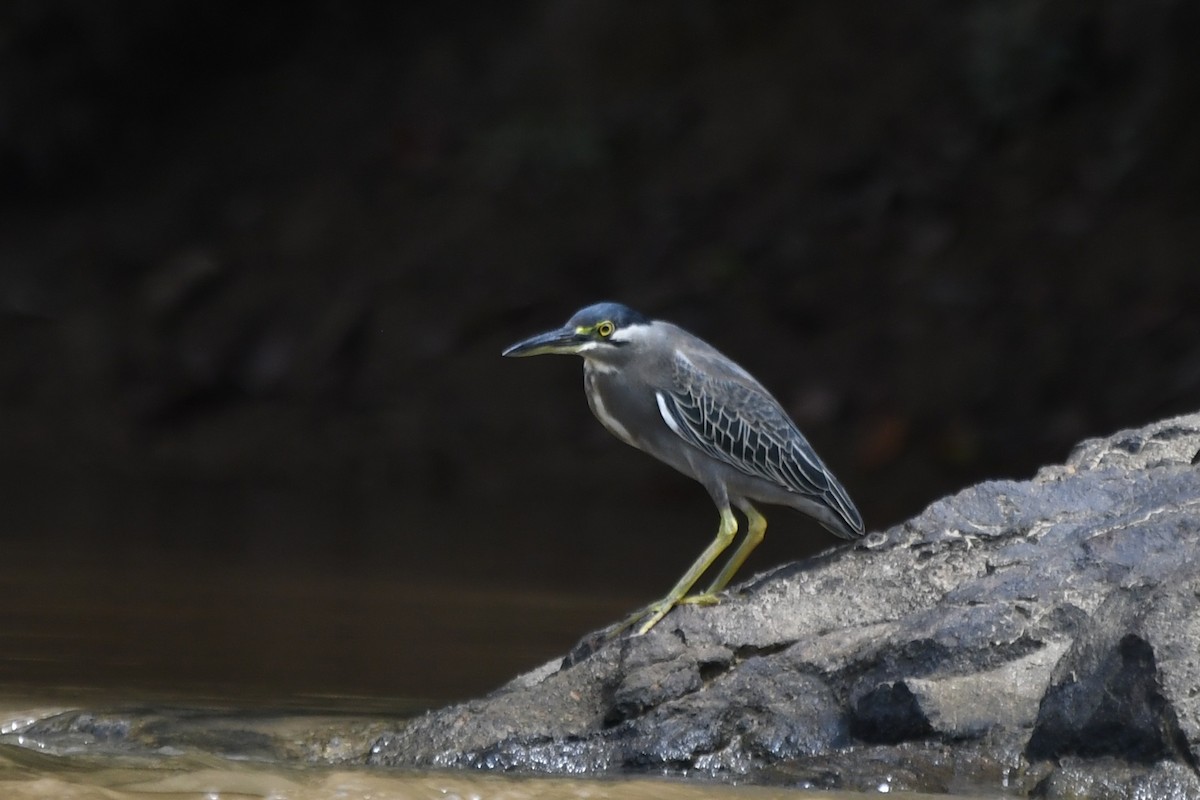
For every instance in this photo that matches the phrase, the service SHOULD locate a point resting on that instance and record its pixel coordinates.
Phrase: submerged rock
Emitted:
(1011, 636)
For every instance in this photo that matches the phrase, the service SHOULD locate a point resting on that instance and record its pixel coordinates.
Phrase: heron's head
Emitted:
(604, 332)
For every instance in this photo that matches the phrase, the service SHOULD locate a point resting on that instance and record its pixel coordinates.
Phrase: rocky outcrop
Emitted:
(1040, 636)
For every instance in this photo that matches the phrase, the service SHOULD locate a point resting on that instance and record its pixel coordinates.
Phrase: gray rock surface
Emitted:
(1010, 637)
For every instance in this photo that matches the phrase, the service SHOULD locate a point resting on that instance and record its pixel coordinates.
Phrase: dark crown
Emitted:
(620, 315)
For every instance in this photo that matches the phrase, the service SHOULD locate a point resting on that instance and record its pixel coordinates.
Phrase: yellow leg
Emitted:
(756, 528)
(656, 611)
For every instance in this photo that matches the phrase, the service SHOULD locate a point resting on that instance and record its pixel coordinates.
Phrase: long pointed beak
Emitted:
(561, 341)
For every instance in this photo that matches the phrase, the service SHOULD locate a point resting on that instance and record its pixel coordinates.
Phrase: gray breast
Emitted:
(630, 412)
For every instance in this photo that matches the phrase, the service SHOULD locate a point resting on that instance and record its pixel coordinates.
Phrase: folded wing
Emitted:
(734, 420)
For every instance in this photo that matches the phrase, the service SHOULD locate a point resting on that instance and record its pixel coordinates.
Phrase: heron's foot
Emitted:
(653, 613)
(701, 599)
(648, 614)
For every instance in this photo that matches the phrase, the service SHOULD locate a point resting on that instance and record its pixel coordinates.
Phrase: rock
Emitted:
(1007, 638)
(144, 735)
(968, 706)
(1111, 779)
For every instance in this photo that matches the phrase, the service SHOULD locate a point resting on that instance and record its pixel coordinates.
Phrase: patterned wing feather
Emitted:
(734, 420)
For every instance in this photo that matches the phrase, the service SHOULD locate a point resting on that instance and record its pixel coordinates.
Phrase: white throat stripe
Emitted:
(609, 420)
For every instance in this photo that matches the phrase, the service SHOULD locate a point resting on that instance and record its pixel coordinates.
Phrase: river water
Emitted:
(216, 752)
(239, 682)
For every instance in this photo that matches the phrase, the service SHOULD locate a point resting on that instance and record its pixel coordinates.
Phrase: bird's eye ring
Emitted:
(605, 329)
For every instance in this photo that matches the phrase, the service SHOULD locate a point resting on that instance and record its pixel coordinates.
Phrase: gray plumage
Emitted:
(731, 417)
(659, 388)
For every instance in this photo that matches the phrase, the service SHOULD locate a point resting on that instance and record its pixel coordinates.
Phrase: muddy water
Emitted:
(266, 682)
(156, 745)
(295, 633)
(22, 780)
(211, 751)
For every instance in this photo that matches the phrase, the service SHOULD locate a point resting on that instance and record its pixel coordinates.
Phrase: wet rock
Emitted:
(154, 734)
(1123, 685)
(1113, 779)
(1009, 637)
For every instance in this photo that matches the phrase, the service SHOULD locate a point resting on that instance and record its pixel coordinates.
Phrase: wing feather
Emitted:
(734, 420)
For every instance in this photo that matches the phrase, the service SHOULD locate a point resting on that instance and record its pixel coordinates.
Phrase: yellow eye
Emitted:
(605, 329)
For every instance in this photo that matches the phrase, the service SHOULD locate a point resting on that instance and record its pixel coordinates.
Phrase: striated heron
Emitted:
(662, 390)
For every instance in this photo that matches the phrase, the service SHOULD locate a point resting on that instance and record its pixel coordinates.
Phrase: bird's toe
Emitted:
(701, 599)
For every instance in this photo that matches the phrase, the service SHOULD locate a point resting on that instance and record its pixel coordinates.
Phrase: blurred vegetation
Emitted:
(259, 260)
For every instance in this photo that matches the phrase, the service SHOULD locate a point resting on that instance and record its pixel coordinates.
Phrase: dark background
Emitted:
(259, 260)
